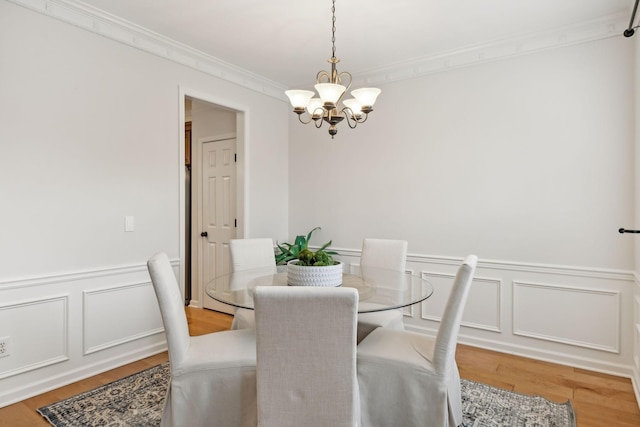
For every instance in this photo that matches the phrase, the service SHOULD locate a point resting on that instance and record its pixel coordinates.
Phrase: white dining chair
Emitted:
(388, 254)
(213, 376)
(409, 379)
(247, 254)
(306, 356)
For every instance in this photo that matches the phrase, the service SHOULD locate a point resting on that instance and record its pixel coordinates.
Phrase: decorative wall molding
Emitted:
(586, 343)
(6, 284)
(551, 269)
(80, 334)
(635, 378)
(497, 275)
(487, 316)
(424, 305)
(548, 323)
(636, 338)
(136, 326)
(21, 363)
(606, 27)
(13, 393)
(541, 353)
(409, 311)
(117, 29)
(561, 270)
(354, 268)
(112, 27)
(496, 325)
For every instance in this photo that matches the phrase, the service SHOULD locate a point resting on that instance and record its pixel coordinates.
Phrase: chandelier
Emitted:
(331, 89)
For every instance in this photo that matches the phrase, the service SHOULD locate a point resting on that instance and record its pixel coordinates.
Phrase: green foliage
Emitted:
(300, 250)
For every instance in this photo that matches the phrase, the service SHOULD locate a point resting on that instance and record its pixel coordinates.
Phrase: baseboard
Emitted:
(11, 396)
(635, 382)
(537, 354)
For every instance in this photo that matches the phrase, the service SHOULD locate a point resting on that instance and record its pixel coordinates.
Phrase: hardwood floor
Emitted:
(599, 400)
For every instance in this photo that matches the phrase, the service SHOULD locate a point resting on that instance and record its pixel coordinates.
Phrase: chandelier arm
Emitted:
(323, 77)
(355, 123)
(348, 114)
(304, 122)
(345, 74)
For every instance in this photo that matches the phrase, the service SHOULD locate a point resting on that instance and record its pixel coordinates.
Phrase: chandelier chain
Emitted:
(333, 29)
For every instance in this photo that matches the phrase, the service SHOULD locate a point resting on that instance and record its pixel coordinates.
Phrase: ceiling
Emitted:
(289, 41)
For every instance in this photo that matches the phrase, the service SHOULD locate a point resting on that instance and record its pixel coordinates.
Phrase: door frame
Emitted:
(242, 180)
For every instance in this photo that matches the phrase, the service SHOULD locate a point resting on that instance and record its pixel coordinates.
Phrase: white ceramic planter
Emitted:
(303, 275)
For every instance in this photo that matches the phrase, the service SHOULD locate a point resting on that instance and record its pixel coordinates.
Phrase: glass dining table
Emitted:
(378, 289)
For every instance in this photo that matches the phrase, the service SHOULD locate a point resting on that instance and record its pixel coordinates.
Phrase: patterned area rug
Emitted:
(487, 406)
(136, 401)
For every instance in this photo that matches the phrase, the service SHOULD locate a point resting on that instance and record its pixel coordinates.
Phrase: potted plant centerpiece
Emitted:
(309, 268)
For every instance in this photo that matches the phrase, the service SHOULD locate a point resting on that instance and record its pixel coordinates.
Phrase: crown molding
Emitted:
(112, 27)
(603, 28)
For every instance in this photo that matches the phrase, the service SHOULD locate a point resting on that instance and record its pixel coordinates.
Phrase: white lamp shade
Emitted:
(353, 105)
(366, 96)
(315, 106)
(330, 92)
(299, 98)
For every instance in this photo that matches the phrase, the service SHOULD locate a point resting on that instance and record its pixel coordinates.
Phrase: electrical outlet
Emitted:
(4, 346)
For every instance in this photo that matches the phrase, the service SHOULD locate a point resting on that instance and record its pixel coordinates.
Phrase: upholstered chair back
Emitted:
(251, 253)
(447, 337)
(384, 253)
(306, 356)
(171, 305)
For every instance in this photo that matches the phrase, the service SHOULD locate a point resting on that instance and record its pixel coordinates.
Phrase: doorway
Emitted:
(218, 212)
(210, 124)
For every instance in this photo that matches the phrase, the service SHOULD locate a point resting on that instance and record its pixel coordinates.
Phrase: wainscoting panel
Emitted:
(571, 315)
(137, 316)
(636, 357)
(354, 268)
(66, 325)
(36, 334)
(636, 327)
(483, 309)
(483, 305)
(566, 314)
(410, 310)
(433, 307)
(636, 341)
(69, 326)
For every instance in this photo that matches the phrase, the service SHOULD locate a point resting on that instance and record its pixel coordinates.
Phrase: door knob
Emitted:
(204, 234)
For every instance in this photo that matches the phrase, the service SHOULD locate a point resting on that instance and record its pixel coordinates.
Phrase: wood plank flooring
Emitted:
(599, 400)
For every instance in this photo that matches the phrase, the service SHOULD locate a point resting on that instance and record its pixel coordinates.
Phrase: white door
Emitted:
(218, 213)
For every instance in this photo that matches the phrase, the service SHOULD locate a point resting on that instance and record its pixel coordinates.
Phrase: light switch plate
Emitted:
(128, 223)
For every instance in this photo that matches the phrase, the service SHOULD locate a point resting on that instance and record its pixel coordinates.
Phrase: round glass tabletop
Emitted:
(378, 289)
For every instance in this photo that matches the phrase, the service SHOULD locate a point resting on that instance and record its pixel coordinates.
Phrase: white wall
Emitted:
(527, 159)
(90, 132)
(527, 162)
